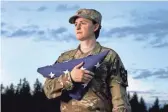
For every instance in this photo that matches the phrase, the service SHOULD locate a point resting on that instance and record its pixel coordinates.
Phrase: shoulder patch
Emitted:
(123, 74)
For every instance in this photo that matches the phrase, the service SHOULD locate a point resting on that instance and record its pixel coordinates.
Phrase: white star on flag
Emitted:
(66, 72)
(65, 61)
(51, 75)
(97, 65)
(84, 85)
(82, 68)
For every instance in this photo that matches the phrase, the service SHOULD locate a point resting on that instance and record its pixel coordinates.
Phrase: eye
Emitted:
(83, 23)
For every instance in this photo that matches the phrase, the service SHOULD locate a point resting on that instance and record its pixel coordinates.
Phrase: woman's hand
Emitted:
(79, 75)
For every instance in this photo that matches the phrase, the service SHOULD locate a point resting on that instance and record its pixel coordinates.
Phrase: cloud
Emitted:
(24, 9)
(40, 34)
(58, 31)
(157, 32)
(151, 27)
(3, 9)
(3, 24)
(163, 101)
(42, 8)
(22, 33)
(65, 7)
(39, 9)
(145, 73)
(155, 26)
(18, 32)
(61, 34)
(155, 16)
(143, 31)
(61, 7)
(4, 32)
(151, 95)
(163, 76)
(162, 98)
(156, 96)
(146, 92)
(161, 45)
(25, 31)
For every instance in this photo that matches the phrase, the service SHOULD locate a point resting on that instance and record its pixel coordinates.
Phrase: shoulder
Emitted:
(116, 66)
(68, 52)
(67, 55)
(112, 54)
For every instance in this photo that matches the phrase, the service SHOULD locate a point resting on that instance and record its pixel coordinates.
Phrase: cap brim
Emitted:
(73, 18)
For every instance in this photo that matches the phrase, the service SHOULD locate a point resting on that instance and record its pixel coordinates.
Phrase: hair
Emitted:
(97, 32)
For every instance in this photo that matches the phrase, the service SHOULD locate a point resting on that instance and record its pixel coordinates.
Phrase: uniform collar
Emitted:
(96, 49)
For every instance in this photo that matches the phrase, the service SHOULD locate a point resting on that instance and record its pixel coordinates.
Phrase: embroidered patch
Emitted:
(123, 74)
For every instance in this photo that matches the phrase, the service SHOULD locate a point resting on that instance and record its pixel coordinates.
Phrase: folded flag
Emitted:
(91, 62)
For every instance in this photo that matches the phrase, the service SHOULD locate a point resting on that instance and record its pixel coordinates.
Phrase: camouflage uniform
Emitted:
(107, 90)
(111, 78)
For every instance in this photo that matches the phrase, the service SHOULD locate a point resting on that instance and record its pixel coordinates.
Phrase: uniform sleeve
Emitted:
(118, 83)
(53, 87)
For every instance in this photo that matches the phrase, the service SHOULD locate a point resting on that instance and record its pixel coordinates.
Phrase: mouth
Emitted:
(79, 32)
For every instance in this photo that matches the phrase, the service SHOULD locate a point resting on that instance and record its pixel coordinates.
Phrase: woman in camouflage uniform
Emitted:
(107, 85)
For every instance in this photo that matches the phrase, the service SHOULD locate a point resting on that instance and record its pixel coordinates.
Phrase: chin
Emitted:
(80, 38)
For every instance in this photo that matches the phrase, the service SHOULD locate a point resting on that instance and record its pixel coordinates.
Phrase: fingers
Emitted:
(86, 78)
(89, 72)
(79, 65)
(88, 75)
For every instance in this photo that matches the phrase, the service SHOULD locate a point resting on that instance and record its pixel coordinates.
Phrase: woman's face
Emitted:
(84, 28)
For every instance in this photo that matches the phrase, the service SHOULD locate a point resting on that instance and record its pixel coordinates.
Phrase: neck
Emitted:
(87, 45)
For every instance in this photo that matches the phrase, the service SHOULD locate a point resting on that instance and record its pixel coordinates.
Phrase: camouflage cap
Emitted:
(91, 14)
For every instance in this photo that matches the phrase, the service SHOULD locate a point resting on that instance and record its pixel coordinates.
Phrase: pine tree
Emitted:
(134, 103)
(10, 91)
(38, 97)
(25, 97)
(9, 98)
(37, 87)
(2, 89)
(19, 86)
(165, 108)
(128, 95)
(155, 107)
(142, 105)
(25, 88)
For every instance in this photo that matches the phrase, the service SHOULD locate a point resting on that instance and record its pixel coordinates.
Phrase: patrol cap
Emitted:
(91, 14)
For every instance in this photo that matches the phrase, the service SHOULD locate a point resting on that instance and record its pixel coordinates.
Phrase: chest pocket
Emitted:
(100, 86)
(99, 81)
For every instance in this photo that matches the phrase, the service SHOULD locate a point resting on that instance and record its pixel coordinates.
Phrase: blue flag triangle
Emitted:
(91, 62)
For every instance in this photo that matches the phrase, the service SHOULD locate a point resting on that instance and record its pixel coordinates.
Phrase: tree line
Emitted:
(21, 98)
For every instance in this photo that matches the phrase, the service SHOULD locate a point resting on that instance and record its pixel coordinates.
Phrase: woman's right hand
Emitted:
(81, 75)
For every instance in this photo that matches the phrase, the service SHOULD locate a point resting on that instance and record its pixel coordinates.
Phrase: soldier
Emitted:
(106, 91)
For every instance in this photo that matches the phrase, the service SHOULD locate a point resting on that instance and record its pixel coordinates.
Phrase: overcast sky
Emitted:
(34, 34)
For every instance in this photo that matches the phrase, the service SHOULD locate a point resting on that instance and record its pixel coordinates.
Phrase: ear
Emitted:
(96, 27)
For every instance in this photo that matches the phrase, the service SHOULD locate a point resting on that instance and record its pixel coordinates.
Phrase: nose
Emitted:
(78, 26)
